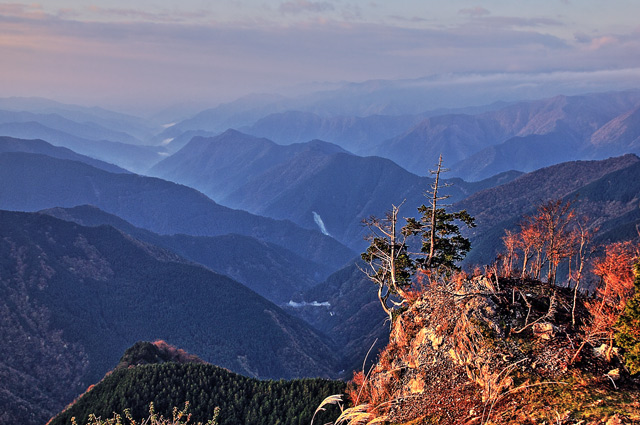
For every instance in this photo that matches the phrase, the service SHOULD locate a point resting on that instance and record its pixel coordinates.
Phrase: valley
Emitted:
(235, 234)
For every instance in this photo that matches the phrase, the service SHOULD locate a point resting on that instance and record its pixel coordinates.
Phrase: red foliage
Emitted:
(616, 273)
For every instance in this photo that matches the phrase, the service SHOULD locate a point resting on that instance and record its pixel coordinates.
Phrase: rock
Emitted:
(544, 330)
(618, 419)
(416, 385)
(602, 352)
(614, 374)
(436, 341)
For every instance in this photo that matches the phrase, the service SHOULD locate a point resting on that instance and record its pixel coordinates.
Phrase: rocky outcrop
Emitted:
(487, 350)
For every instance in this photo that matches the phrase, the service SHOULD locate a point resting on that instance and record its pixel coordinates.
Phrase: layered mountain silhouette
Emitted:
(135, 129)
(356, 134)
(54, 121)
(272, 271)
(524, 136)
(476, 143)
(218, 165)
(37, 146)
(35, 182)
(131, 157)
(316, 184)
(603, 191)
(74, 298)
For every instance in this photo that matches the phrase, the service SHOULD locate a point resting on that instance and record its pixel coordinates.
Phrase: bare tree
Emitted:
(389, 264)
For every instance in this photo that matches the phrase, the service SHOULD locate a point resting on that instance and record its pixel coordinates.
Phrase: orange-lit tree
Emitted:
(614, 290)
(628, 328)
(546, 238)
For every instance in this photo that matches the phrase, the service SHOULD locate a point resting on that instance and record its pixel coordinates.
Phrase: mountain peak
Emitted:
(144, 352)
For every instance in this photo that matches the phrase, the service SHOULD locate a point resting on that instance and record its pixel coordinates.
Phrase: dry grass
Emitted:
(179, 417)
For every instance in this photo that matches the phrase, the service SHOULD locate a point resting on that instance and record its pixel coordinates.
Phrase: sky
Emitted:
(155, 53)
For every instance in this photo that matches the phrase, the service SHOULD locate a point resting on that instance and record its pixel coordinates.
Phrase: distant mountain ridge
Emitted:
(150, 203)
(272, 271)
(218, 165)
(131, 157)
(86, 130)
(502, 207)
(10, 144)
(315, 184)
(524, 135)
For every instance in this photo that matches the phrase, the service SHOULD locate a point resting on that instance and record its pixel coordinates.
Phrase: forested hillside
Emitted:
(74, 298)
(241, 400)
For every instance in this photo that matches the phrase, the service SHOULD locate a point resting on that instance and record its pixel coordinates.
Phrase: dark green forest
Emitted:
(241, 400)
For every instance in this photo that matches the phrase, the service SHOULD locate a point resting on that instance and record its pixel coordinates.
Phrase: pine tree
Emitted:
(392, 266)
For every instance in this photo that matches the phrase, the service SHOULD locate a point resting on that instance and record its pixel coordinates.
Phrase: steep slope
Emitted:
(272, 271)
(338, 190)
(618, 136)
(356, 134)
(74, 298)
(218, 165)
(470, 351)
(345, 307)
(85, 130)
(495, 141)
(35, 182)
(502, 207)
(10, 144)
(141, 129)
(148, 373)
(131, 157)
(454, 136)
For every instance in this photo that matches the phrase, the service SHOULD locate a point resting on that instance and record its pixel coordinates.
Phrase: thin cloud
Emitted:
(600, 42)
(517, 22)
(474, 11)
(162, 16)
(302, 6)
(414, 19)
(132, 55)
(16, 10)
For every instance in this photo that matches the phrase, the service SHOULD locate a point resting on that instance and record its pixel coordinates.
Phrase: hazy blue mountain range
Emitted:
(34, 182)
(137, 127)
(174, 144)
(303, 182)
(272, 271)
(131, 157)
(74, 298)
(356, 134)
(219, 165)
(477, 142)
(85, 130)
(505, 139)
(37, 146)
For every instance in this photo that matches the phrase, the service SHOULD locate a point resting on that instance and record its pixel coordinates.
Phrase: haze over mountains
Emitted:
(239, 228)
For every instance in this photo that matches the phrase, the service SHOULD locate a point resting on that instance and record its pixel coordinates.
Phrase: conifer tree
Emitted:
(392, 266)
